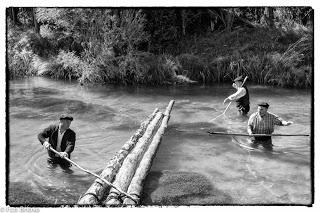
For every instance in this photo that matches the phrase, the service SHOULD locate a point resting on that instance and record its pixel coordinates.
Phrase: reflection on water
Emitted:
(106, 117)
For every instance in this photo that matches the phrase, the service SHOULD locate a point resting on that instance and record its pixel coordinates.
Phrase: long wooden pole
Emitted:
(255, 135)
(224, 112)
(94, 174)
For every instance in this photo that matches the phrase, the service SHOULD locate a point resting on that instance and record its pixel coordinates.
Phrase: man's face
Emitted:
(262, 110)
(64, 124)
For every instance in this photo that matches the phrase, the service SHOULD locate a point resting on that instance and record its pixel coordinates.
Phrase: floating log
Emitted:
(97, 190)
(130, 163)
(136, 185)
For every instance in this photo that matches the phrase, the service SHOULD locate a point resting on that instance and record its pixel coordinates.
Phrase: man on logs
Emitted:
(263, 122)
(60, 138)
(241, 96)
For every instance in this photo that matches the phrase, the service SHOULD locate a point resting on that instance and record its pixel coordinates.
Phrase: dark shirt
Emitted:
(67, 142)
(244, 100)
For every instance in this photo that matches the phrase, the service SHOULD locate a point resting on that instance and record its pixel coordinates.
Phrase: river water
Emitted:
(191, 167)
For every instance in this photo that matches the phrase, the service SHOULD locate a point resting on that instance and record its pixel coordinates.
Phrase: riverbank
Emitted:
(276, 56)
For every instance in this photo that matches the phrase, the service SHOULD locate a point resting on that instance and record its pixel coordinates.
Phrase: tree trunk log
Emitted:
(97, 190)
(136, 185)
(130, 163)
(35, 22)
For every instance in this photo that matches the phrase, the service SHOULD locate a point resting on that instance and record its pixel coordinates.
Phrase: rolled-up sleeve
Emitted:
(44, 134)
(250, 121)
(277, 120)
(240, 93)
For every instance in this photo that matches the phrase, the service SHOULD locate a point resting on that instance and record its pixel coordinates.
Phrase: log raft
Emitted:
(95, 193)
(129, 167)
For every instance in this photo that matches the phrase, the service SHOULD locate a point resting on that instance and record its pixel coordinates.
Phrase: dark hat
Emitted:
(264, 104)
(239, 78)
(66, 117)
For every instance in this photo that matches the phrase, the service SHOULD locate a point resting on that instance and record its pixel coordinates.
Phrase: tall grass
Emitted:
(66, 65)
(194, 68)
(262, 54)
(19, 53)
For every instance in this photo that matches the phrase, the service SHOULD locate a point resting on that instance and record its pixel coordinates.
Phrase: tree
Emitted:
(269, 16)
(12, 12)
(35, 22)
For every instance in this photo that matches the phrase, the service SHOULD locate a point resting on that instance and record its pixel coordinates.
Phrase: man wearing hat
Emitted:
(263, 122)
(241, 96)
(60, 138)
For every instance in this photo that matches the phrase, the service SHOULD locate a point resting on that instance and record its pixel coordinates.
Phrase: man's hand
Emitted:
(287, 123)
(63, 154)
(225, 100)
(46, 145)
(250, 134)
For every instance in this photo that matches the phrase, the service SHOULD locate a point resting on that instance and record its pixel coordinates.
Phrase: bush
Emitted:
(135, 67)
(20, 64)
(65, 66)
(20, 53)
(91, 74)
(219, 68)
(193, 68)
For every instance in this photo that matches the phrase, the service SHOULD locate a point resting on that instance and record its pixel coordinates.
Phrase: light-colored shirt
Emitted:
(59, 139)
(241, 91)
(265, 124)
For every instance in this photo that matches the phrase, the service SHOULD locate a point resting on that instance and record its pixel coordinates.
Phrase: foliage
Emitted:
(20, 52)
(273, 45)
(193, 68)
(65, 66)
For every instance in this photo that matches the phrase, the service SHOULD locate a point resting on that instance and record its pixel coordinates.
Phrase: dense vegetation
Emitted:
(273, 46)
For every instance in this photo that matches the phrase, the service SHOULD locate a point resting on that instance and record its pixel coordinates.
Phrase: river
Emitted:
(191, 167)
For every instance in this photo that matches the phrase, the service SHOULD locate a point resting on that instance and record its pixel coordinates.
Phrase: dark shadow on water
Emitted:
(36, 91)
(193, 129)
(23, 194)
(181, 188)
(128, 126)
(27, 114)
(49, 105)
(211, 109)
(42, 91)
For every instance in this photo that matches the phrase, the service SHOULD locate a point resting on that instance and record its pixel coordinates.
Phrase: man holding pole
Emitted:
(60, 138)
(263, 122)
(241, 96)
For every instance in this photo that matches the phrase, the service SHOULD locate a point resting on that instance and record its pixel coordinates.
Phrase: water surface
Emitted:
(191, 166)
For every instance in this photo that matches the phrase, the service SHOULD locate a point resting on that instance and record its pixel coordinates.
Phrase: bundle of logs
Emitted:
(129, 167)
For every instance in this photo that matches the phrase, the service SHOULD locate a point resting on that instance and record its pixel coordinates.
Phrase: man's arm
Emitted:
(240, 93)
(250, 126)
(44, 134)
(280, 122)
(71, 140)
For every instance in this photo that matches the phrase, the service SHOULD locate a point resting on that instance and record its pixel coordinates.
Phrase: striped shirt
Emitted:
(265, 124)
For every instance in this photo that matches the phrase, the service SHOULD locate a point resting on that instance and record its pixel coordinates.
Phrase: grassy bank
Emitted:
(279, 57)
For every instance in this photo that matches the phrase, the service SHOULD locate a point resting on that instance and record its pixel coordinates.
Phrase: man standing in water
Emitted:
(61, 138)
(241, 96)
(263, 122)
